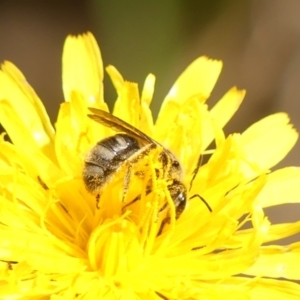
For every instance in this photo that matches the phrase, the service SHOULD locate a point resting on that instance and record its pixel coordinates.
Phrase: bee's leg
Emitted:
(126, 181)
(203, 200)
(136, 199)
(165, 221)
(165, 161)
(136, 158)
(161, 296)
(195, 172)
(98, 201)
(131, 202)
(163, 208)
(42, 183)
(131, 162)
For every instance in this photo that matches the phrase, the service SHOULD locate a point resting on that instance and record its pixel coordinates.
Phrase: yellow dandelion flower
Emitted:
(140, 228)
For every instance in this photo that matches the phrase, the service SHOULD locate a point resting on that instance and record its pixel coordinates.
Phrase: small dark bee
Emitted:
(109, 154)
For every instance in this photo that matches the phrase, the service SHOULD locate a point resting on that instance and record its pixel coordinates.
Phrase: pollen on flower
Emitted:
(126, 239)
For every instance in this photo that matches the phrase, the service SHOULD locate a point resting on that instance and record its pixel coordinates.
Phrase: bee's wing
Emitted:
(118, 125)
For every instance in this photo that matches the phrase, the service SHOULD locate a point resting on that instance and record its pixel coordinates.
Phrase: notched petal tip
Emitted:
(83, 69)
(198, 79)
(269, 140)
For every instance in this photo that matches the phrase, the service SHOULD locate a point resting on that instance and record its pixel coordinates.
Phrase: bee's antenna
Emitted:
(203, 200)
(195, 172)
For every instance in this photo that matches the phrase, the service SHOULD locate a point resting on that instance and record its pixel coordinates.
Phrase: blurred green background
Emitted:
(258, 41)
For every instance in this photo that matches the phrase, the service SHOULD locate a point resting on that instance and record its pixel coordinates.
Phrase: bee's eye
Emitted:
(178, 194)
(180, 203)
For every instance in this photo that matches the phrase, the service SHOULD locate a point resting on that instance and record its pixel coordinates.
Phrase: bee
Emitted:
(129, 146)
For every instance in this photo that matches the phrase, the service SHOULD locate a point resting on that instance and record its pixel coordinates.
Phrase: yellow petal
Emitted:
(82, 69)
(281, 231)
(115, 77)
(11, 156)
(268, 141)
(127, 106)
(148, 89)
(226, 107)
(277, 262)
(42, 162)
(273, 289)
(20, 134)
(146, 119)
(197, 81)
(282, 187)
(66, 142)
(39, 251)
(219, 116)
(20, 103)
(188, 124)
(252, 289)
